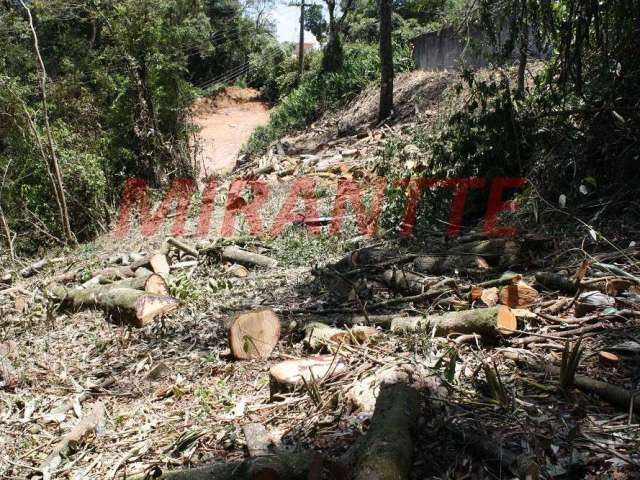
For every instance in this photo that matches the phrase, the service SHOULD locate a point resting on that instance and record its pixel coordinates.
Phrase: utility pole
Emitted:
(301, 46)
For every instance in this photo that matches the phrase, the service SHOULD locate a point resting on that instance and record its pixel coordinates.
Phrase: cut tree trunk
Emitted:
(238, 255)
(518, 295)
(385, 452)
(126, 304)
(483, 321)
(254, 335)
(450, 263)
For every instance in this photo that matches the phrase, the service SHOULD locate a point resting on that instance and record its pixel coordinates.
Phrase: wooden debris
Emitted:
(127, 304)
(238, 271)
(385, 452)
(294, 373)
(500, 252)
(254, 335)
(609, 358)
(236, 254)
(319, 335)
(156, 285)
(483, 321)
(518, 295)
(281, 466)
(556, 281)
(34, 268)
(182, 246)
(450, 263)
(8, 375)
(72, 440)
(159, 264)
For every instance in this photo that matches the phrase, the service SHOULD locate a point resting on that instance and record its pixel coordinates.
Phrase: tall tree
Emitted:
(386, 61)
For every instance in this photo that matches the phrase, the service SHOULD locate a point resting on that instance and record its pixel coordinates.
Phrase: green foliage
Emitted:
(569, 365)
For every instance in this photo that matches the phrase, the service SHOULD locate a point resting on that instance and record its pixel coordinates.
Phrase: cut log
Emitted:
(518, 295)
(159, 264)
(288, 375)
(156, 285)
(72, 440)
(238, 255)
(385, 452)
(556, 281)
(450, 263)
(282, 466)
(488, 296)
(483, 321)
(319, 335)
(254, 335)
(609, 358)
(126, 304)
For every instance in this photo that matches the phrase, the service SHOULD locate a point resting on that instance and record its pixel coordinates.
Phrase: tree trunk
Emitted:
(54, 166)
(386, 61)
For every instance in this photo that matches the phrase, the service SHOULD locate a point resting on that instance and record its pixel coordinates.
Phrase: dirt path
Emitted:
(226, 123)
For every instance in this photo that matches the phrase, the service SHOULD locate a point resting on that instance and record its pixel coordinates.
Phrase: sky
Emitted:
(288, 24)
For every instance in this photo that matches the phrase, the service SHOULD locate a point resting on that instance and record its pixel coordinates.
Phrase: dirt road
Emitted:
(226, 123)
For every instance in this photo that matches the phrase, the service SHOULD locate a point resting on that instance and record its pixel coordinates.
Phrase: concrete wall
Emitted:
(448, 50)
(445, 50)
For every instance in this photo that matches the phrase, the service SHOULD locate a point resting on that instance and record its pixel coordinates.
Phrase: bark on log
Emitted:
(386, 450)
(254, 335)
(450, 263)
(556, 281)
(128, 304)
(238, 255)
(483, 321)
(283, 466)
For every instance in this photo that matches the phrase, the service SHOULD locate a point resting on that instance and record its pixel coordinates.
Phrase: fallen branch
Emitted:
(238, 255)
(72, 440)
